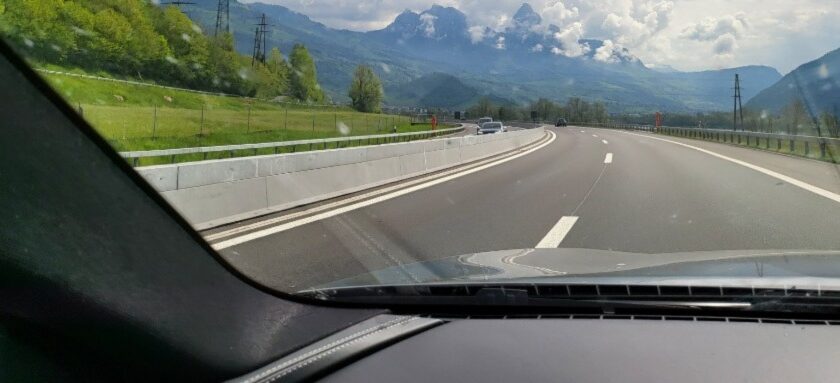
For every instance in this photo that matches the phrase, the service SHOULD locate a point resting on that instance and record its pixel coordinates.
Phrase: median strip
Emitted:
(344, 209)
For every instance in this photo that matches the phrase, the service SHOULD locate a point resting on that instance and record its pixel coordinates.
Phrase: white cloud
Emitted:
(500, 42)
(713, 28)
(605, 52)
(537, 48)
(568, 38)
(725, 44)
(428, 24)
(557, 13)
(477, 33)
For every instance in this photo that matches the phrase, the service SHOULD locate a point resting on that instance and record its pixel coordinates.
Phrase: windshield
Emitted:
(317, 144)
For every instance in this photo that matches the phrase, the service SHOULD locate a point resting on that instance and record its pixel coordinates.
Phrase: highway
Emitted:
(576, 188)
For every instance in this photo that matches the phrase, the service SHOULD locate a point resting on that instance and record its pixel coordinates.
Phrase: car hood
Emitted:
(776, 268)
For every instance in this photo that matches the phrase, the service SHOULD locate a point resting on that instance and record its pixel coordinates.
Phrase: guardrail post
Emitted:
(779, 144)
(807, 149)
(136, 160)
(822, 149)
(767, 143)
(792, 145)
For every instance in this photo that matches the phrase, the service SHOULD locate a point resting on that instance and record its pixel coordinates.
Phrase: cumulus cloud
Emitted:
(605, 52)
(711, 28)
(637, 22)
(537, 48)
(557, 13)
(725, 44)
(569, 40)
(428, 24)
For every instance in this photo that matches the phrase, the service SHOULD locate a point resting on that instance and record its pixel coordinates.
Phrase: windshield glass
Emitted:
(334, 143)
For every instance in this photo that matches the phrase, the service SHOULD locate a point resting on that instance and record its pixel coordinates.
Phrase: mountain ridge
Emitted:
(506, 64)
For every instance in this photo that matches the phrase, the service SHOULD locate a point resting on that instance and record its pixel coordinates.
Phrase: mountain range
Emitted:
(815, 82)
(433, 58)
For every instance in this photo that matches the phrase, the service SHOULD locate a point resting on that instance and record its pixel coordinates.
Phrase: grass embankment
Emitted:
(137, 117)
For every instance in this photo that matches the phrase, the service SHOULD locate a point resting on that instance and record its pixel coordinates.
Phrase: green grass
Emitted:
(136, 117)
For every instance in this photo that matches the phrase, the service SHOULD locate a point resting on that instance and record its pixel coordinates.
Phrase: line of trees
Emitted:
(138, 39)
(575, 109)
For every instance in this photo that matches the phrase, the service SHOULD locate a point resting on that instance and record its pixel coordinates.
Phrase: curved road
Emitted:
(578, 188)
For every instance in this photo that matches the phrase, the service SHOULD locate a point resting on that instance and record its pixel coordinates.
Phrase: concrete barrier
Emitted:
(217, 192)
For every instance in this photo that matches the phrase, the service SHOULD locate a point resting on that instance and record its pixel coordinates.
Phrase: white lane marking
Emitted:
(557, 233)
(605, 142)
(583, 131)
(608, 158)
(793, 181)
(595, 135)
(327, 214)
(333, 205)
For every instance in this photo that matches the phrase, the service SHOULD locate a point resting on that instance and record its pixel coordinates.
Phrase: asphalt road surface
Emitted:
(577, 188)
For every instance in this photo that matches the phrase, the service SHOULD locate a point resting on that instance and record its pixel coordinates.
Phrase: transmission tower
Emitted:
(222, 17)
(736, 105)
(260, 42)
(179, 3)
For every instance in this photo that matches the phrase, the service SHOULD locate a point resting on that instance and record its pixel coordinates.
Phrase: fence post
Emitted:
(201, 124)
(154, 122)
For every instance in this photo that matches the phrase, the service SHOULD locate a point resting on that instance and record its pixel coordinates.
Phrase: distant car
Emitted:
(492, 127)
(561, 122)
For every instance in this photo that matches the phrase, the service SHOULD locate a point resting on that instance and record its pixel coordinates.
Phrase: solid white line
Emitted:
(608, 158)
(344, 209)
(595, 135)
(557, 233)
(793, 181)
(333, 205)
(582, 131)
(605, 142)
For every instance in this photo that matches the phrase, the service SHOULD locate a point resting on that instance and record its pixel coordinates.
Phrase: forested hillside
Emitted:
(135, 38)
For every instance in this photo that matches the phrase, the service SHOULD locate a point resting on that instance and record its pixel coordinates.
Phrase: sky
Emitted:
(687, 35)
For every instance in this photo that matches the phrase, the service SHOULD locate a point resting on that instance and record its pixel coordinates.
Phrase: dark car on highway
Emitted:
(561, 123)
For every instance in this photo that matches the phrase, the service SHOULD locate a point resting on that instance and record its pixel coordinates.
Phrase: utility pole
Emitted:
(222, 17)
(736, 105)
(260, 42)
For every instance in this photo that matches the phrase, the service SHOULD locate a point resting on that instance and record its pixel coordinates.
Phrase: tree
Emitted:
(304, 77)
(366, 90)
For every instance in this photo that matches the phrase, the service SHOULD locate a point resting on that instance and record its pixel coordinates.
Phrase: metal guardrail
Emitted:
(312, 144)
(823, 148)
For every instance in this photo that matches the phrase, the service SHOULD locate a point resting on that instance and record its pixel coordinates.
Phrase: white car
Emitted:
(491, 127)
